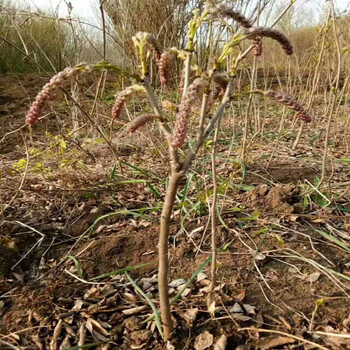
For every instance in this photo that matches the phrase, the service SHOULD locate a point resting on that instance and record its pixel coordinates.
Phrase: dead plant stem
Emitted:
(211, 295)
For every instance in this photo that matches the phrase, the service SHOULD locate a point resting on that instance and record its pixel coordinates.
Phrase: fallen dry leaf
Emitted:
(211, 308)
(56, 335)
(93, 325)
(190, 316)
(241, 295)
(313, 277)
(203, 341)
(337, 342)
(274, 341)
(221, 343)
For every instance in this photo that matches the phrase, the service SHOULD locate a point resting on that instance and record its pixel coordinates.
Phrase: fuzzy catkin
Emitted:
(257, 46)
(222, 10)
(123, 97)
(273, 34)
(182, 80)
(291, 103)
(193, 93)
(56, 82)
(140, 121)
(164, 63)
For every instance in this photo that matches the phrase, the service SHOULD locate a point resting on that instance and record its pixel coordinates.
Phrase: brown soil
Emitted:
(288, 172)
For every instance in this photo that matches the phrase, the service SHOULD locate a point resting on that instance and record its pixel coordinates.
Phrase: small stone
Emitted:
(176, 283)
(236, 308)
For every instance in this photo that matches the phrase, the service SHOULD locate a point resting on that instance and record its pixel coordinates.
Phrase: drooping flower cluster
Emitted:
(257, 46)
(194, 71)
(57, 82)
(141, 121)
(193, 93)
(164, 63)
(182, 80)
(273, 34)
(224, 11)
(125, 96)
(291, 103)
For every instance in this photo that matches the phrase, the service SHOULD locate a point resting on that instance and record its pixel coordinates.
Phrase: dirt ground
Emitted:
(283, 266)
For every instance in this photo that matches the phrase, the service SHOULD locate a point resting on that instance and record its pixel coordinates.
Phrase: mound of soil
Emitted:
(279, 199)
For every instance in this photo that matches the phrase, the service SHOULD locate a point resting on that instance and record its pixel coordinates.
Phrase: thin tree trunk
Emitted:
(163, 254)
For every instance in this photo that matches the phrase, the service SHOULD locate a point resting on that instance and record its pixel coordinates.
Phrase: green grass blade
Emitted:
(141, 171)
(150, 303)
(194, 275)
(133, 181)
(321, 267)
(155, 192)
(113, 172)
(77, 265)
(186, 189)
(333, 239)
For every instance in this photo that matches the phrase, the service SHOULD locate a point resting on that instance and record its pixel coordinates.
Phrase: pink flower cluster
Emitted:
(57, 82)
(291, 103)
(193, 93)
(164, 63)
(182, 80)
(257, 46)
(140, 121)
(123, 97)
